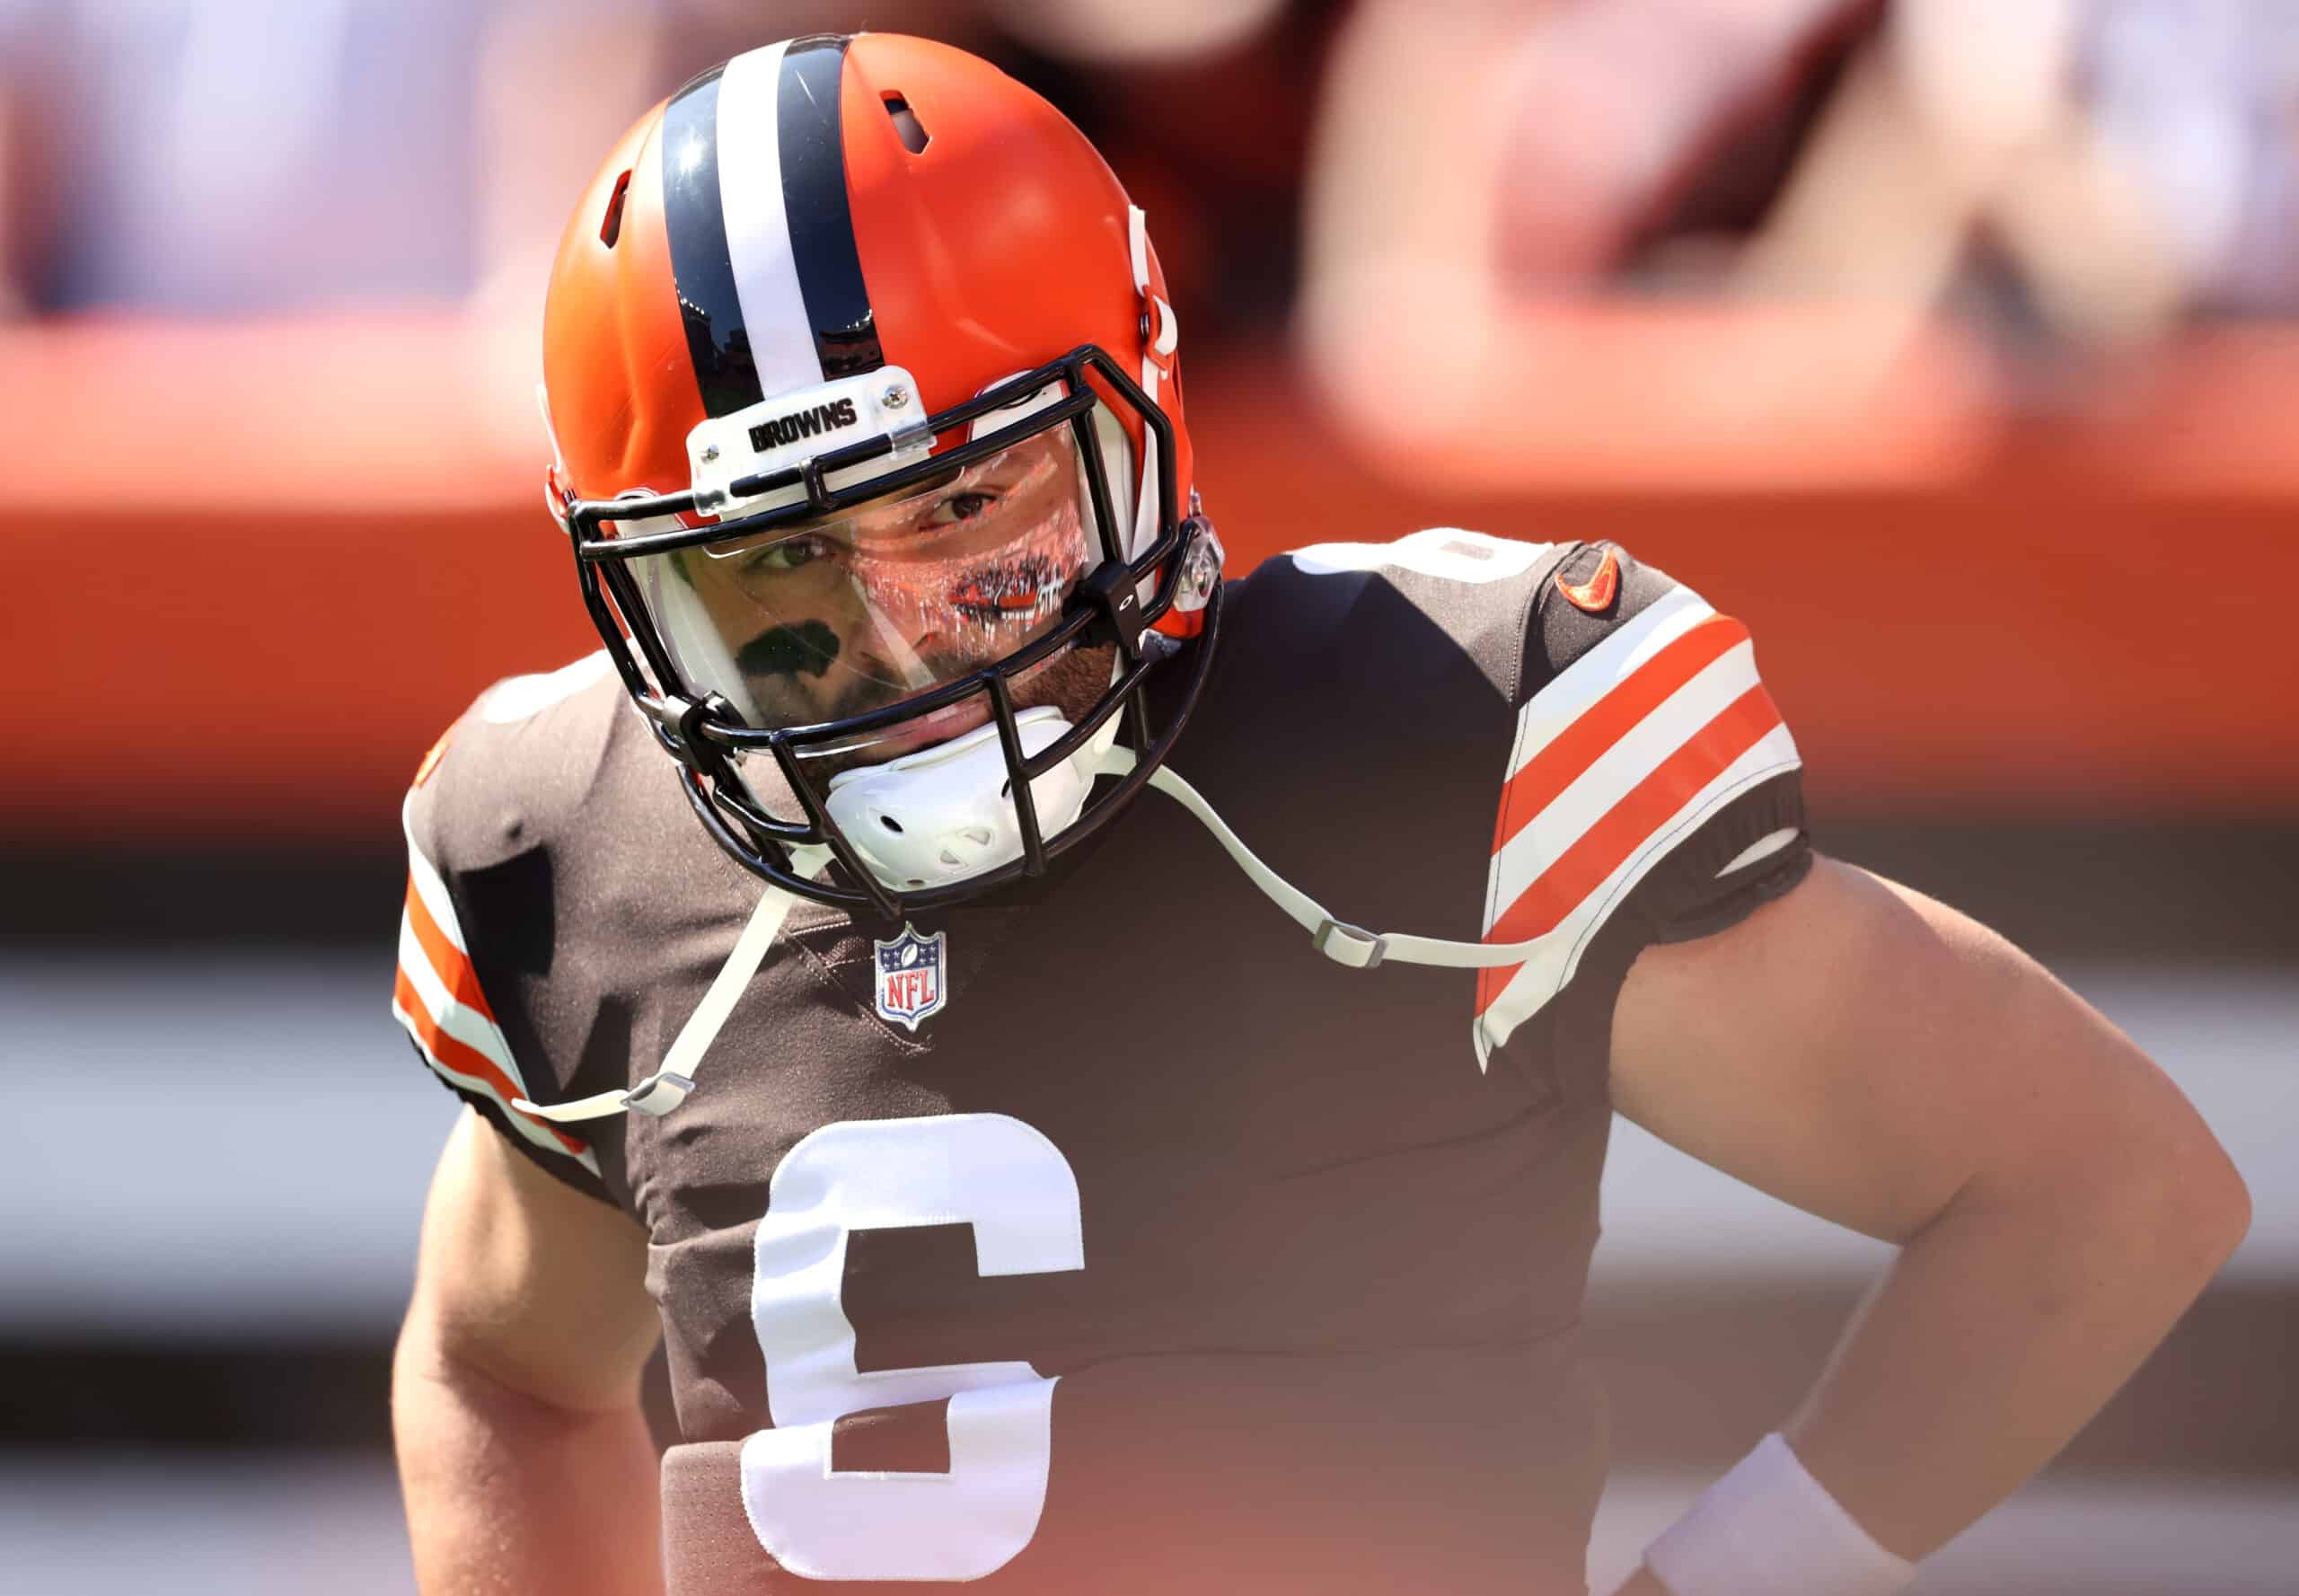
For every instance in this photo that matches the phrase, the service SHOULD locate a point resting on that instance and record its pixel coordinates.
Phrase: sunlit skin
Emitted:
(904, 593)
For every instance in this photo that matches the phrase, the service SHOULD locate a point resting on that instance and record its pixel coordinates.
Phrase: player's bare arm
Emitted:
(1878, 1059)
(522, 1452)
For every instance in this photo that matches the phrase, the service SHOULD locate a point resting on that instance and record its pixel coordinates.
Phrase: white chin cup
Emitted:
(941, 814)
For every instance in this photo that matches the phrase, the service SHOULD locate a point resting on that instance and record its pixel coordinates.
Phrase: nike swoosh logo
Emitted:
(1596, 594)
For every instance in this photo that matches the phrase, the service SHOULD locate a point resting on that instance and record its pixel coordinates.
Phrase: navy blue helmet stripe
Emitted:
(700, 264)
(814, 202)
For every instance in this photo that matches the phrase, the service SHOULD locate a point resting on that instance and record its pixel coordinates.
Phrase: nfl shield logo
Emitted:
(910, 971)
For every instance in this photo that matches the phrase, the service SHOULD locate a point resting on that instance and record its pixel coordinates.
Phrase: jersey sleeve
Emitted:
(457, 991)
(1653, 793)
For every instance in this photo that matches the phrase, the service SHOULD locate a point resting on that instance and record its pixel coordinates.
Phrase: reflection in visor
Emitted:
(891, 599)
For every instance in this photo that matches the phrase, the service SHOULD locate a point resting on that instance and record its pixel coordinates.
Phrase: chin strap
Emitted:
(668, 1087)
(1340, 941)
(1337, 940)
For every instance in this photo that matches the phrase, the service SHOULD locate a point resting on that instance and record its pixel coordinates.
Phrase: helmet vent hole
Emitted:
(611, 224)
(914, 136)
(891, 824)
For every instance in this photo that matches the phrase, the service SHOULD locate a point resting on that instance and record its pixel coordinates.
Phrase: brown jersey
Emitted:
(1101, 1236)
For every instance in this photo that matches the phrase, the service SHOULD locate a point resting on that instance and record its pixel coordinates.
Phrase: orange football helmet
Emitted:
(860, 376)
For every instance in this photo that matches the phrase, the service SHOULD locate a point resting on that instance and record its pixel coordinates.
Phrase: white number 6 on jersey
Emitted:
(1021, 1196)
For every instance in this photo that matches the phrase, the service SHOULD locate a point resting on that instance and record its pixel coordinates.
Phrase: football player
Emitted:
(1030, 1183)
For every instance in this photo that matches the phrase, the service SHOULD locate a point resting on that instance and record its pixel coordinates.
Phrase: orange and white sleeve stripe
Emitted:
(1625, 754)
(438, 998)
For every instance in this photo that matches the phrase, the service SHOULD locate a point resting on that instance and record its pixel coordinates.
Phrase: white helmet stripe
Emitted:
(809, 112)
(757, 228)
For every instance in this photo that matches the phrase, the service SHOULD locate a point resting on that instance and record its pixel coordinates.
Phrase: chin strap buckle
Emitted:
(658, 1094)
(1201, 564)
(1350, 945)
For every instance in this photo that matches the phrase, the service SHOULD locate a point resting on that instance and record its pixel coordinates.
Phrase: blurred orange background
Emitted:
(257, 542)
(2011, 569)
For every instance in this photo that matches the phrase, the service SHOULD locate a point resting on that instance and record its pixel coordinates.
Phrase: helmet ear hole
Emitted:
(611, 224)
(914, 136)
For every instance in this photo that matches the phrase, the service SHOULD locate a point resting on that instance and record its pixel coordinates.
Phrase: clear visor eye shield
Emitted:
(861, 594)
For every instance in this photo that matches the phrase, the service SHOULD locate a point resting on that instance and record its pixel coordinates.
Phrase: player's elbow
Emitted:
(2209, 1204)
(507, 1364)
(2202, 1208)
(2162, 1193)
(433, 1362)
(525, 1287)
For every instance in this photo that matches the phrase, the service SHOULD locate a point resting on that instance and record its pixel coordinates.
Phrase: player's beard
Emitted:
(1072, 682)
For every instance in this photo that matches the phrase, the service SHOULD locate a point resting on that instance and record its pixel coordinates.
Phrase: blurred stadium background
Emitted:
(1954, 345)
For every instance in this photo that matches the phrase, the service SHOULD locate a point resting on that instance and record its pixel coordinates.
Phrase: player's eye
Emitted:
(787, 555)
(963, 506)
